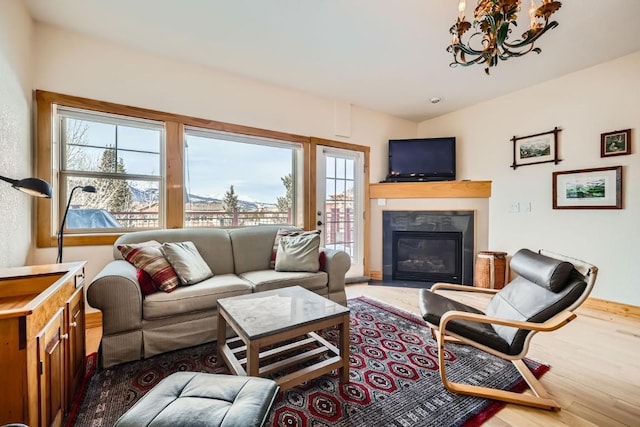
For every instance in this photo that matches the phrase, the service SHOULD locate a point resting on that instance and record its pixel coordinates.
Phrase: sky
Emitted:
(211, 165)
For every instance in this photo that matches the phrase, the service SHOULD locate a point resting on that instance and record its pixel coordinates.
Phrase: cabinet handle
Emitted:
(73, 324)
(64, 336)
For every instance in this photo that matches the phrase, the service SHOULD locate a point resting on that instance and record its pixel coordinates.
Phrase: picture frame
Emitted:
(535, 149)
(597, 188)
(616, 143)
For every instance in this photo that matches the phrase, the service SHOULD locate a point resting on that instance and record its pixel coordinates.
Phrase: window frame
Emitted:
(65, 172)
(298, 152)
(174, 124)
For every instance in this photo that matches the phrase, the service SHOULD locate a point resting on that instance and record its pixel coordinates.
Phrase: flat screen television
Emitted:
(422, 159)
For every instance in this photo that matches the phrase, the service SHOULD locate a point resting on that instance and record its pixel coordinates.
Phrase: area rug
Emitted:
(394, 379)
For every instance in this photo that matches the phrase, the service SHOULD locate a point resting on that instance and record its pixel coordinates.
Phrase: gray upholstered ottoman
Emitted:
(197, 399)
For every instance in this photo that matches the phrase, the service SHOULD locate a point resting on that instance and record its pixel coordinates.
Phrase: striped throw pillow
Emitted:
(148, 257)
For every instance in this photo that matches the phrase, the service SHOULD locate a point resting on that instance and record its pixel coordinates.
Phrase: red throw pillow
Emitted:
(323, 260)
(149, 258)
(146, 283)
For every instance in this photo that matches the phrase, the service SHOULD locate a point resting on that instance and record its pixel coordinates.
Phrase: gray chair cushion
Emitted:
(543, 289)
(198, 399)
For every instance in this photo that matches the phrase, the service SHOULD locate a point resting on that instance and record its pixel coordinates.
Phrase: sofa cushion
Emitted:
(265, 280)
(213, 244)
(252, 247)
(147, 256)
(201, 296)
(187, 262)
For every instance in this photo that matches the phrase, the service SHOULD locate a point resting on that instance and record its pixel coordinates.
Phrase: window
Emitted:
(121, 157)
(236, 180)
(153, 169)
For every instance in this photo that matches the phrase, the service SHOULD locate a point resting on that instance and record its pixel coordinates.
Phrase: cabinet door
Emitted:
(76, 345)
(51, 371)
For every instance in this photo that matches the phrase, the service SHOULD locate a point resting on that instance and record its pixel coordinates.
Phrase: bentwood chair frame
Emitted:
(540, 398)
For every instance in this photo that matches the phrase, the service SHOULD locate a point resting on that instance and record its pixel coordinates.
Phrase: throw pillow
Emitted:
(146, 282)
(282, 233)
(149, 258)
(322, 259)
(298, 253)
(187, 262)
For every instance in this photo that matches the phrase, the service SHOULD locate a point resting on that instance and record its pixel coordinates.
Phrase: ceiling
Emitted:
(384, 55)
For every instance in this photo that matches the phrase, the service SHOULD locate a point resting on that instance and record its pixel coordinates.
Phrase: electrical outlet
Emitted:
(514, 207)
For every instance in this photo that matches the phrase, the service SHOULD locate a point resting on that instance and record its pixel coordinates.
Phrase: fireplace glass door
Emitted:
(427, 256)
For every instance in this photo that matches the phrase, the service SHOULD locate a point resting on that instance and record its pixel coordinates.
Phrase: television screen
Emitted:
(423, 159)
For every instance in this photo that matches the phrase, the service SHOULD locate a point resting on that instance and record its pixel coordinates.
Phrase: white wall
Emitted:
(77, 65)
(584, 104)
(15, 132)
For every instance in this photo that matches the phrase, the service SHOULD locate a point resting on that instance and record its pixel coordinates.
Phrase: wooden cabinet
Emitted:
(42, 342)
(75, 358)
(51, 371)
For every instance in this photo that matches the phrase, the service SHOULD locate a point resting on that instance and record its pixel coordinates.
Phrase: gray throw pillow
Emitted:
(298, 253)
(187, 262)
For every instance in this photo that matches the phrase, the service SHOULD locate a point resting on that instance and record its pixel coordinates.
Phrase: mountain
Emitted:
(150, 196)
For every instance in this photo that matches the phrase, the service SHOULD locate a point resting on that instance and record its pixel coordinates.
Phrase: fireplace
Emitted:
(423, 247)
(427, 256)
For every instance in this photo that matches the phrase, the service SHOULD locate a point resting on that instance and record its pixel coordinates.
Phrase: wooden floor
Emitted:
(595, 364)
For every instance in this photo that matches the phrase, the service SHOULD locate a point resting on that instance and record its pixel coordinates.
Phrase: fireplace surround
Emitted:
(423, 247)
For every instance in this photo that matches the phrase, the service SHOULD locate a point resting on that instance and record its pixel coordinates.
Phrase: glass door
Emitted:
(340, 202)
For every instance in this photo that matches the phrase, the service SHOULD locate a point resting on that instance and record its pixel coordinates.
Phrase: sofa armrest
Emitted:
(116, 292)
(336, 266)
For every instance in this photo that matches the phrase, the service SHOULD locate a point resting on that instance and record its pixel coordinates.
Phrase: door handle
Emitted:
(319, 223)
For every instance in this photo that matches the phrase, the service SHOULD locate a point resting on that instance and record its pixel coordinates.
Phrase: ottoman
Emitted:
(200, 399)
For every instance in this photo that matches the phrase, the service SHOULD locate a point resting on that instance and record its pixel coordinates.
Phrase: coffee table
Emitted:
(286, 321)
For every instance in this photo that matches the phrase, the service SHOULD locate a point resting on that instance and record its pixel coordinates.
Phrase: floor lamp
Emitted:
(86, 189)
(32, 186)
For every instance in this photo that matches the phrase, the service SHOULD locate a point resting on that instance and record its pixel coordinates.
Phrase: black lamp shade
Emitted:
(32, 186)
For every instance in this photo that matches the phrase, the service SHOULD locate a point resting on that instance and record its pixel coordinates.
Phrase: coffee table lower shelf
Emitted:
(231, 350)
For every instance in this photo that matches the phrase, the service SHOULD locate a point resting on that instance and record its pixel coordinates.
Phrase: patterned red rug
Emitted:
(394, 379)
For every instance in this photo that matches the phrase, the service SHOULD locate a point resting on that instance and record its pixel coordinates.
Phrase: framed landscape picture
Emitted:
(616, 143)
(599, 188)
(534, 149)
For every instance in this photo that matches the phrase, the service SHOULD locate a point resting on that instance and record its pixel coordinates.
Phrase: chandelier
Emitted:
(492, 21)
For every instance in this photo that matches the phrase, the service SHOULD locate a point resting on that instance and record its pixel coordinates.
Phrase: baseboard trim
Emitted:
(93, 319)
(613, 307)
(376, 275)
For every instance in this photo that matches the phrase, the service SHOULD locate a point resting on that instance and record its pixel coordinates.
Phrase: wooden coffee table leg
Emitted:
(222, 339)
(344, 348)
(253, 359)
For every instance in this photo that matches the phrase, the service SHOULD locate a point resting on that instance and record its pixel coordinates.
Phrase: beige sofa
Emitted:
(136, 327)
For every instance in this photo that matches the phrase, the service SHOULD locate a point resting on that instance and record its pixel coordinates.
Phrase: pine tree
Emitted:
(114, 194)
(230, 200)
(285, 203)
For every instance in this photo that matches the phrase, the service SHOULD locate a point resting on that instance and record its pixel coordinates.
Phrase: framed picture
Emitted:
(616, 143)
(599, 188)
(534, 149)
